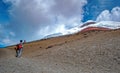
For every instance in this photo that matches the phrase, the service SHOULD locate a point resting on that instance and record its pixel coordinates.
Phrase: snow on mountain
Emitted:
(106, 24)
(87, 23)
(102, 24)
(95, 28)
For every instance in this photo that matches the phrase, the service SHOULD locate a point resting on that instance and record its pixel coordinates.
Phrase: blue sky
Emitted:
(4, 17)
(95, 7)
(33, 19)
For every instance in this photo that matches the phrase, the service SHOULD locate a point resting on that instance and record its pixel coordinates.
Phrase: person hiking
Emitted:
(19, 49)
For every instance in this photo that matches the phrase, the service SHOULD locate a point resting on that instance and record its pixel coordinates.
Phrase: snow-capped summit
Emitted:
(101, 24)
(104, 24)
(108, 24)
(88, 23)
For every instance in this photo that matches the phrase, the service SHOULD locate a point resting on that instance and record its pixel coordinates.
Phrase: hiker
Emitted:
(19, 49)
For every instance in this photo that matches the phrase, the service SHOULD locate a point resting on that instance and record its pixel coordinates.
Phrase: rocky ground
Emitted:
(88, 52)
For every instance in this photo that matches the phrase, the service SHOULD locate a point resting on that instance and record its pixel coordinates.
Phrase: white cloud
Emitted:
(43, 16)
(116, 14)
(12, 34)
(105, 15)
(6, 36)
(6, 41)
(14, 2)
(113, 15)
(50, 30)
(60, 28)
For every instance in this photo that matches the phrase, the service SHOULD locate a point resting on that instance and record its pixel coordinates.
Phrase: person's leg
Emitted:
(20, 52)
(17, 52)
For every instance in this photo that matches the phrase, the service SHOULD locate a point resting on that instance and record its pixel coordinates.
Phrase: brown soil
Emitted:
(93, 51)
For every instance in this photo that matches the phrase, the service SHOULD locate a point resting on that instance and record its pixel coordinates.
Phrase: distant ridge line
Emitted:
(95, 28)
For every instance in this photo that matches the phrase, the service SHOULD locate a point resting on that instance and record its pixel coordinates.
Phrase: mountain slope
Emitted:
(83, 52)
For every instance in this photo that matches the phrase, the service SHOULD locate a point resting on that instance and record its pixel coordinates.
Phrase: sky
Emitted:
(34, 19)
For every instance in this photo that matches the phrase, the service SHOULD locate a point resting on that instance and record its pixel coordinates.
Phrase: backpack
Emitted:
(19, 46)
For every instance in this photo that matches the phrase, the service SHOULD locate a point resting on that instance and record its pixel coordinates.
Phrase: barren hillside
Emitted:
(83, 52)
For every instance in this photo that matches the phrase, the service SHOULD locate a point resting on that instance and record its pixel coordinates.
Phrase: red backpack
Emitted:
(19, 46)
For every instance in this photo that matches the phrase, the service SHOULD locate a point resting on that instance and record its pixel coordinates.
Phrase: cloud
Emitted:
(47, 31)
(68, 8)
(36, 18)
(6, 41)
(6, 36)
(12, 34)
(1, 32)
(113, 15)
